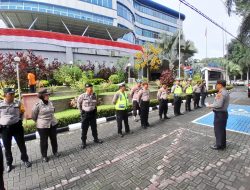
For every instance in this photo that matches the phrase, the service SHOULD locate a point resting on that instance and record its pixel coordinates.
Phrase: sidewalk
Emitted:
(172, 154)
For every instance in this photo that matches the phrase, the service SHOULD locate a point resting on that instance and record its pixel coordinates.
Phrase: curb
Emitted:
(102, 120)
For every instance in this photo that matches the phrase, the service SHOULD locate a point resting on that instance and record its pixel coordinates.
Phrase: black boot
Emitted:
(84, 144)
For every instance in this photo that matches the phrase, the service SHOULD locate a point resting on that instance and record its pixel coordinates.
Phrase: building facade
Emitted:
(122, 22)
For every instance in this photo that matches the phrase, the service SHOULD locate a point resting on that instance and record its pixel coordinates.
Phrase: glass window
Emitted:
(155, 24)
(155, 13)
(124, 12)
(103, 3)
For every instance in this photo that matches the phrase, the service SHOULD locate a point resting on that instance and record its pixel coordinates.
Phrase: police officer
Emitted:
(120, 100)
(220, 106)
(11, 112)
(43, 115)
(197, 94)
(143, 99)
(203, 93)
(177, 91)
(87, 104)
(162, 97)
(188, 89)
(1, 169)
(134, 95)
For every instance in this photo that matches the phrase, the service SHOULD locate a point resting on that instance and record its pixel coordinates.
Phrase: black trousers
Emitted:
(177, 105)
(144, 105)
(203, 98)
(44, 135)
(122, 115)
(196, 99)
(220, 123)
(32, 88)
(89, 119)
(1, 169)
(188, 102)
(16, 131)
(135, 108)
(163, 107)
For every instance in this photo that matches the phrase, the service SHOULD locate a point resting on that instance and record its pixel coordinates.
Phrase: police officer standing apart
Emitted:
(120, 100)
(87, 104)
(134, 96)
(220, 107)
(1, 169)
(197, 95)
(189, 94)
(143, 99)
(43, 115)
(177, 91)
(11, 112)
(162, 97)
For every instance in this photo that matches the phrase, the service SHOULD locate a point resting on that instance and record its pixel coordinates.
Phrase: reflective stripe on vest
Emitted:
(122, 102)
(189, 90)
(178, 90)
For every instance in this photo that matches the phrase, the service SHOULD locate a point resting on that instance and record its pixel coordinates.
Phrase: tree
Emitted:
(167, 77)
(170, 49)
(149, 58)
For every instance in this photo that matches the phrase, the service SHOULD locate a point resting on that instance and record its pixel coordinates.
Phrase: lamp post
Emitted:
(17, 61)
(129, 65)
(37, 74)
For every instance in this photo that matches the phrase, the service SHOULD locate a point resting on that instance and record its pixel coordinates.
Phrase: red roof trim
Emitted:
(66, 37)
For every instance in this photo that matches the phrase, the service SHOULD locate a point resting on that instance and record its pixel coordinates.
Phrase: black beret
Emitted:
(88, 85)
(222, 82)
(43, 91)
(9, 90)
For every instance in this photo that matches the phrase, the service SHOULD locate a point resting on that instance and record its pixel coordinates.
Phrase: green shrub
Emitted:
(44, 83)
(114, 79)
(68, 74)
(96, 81)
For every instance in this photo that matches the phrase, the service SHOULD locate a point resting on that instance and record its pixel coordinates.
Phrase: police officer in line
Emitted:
(143, 99)
(177, 91)
(120, 100)
(1, 169)
(87, 104)
(188, 89)
(134, 95)
(11, 112)
(203, 93)
(43, 115)
(162, 97)
(197, 94)
(220, 106)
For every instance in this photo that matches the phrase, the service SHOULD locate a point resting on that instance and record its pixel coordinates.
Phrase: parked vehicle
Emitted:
(239, 83)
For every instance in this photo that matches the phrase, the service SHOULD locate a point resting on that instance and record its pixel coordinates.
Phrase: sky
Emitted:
(194, 25)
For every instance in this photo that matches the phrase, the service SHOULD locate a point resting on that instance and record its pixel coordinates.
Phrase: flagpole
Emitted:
(206, 46)
(179, 39)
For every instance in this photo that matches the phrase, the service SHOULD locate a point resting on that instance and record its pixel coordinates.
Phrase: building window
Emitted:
(124, 12)
(56, 10)
(155, 13)
(146, 33)
(155, 24)
(130, 37)
(103, 3)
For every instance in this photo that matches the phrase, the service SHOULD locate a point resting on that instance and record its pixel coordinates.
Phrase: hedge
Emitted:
(73, 115)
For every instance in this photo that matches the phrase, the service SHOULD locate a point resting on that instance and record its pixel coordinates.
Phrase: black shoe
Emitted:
(181, 114)
(129, 132)
(190, 110)
(144, 126)
(160, 117)
(147, 125)
(45, 159)
(9, 168)
(166, 117)
(198, 107)
(57, 154)
(98, 141)
(215, 147)
(83, 145)
(27, 164)
(120, 135)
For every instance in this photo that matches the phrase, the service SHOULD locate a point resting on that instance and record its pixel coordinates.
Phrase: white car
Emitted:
(240, 83)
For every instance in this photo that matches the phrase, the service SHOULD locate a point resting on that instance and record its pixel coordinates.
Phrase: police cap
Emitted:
(177, 79)
(9, 91)
(139, 81)
(87, 85)
(190, 79)
(122, 85)
(222, 82)
(44, 92)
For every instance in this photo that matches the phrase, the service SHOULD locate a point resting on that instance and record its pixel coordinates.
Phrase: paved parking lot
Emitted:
(171, 154)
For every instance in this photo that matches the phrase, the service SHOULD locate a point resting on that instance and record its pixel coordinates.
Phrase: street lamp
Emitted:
(17, 61)
(129, 65)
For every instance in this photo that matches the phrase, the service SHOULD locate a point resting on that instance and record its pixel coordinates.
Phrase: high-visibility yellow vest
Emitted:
(122, 102)
(178, 90)
(189, 89)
